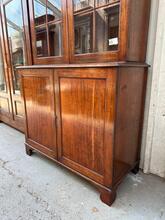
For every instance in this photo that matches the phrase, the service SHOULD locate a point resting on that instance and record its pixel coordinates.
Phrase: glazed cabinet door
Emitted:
(85, 111)
(97, 30)
(38, 93)
(17, 51)
(5, 97)
(49, 31)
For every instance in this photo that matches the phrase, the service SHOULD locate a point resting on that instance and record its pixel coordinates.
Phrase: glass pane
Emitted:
(16, 40)
(40, 11)
(107, 29)
(41, 42)
(2, 76)
(104, 2)
(82, 4)
(55, 40)
(83, 34)
(53, 10)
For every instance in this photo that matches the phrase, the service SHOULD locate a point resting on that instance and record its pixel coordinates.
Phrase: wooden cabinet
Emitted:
(87, 119)
(83, 78)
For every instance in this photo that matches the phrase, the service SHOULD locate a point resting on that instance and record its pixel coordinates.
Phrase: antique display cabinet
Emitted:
(84, 85)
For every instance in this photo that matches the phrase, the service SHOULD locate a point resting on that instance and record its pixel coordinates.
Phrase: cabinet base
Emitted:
(107, 196)
(29, 151)
(135, 170)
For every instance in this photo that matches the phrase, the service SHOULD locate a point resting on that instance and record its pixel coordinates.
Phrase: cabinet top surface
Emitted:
(87, 65)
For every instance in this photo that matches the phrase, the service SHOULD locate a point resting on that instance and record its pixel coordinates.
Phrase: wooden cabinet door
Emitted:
(85, 101)
(38, 93)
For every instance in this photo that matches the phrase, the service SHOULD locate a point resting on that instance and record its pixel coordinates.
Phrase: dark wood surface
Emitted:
(94, 126)
(138, 30)
(86, 65)
(38, 90)
(86, 119)
(129, 113)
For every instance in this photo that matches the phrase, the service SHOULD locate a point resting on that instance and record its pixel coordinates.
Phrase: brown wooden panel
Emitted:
(38, 91)
(4, 104)
(130, 107)
(138, 23)
(86, 118)
(83, 112)
(19, 109)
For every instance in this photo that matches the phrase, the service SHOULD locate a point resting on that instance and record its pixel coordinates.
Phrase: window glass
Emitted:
(96, 28)
(40, 12)
(55, 39)
(41, 42)
(13, 11)
(104, 2)
(53, 10)
(107, 29)
(83, 4)
(83, 34)
(2, 76)
(48, 21)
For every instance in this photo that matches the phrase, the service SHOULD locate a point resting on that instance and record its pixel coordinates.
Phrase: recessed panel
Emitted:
(39, 107)
(4, 104)
(82, 115)
(19, 109)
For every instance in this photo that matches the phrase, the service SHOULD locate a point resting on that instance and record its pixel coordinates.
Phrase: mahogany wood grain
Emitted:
(40, 110)
(98, 124)
(86, 118)
(137, 30)
(128, 126)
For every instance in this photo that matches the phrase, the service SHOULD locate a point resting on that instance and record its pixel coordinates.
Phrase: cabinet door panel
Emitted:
(84, 112)
(40, 113)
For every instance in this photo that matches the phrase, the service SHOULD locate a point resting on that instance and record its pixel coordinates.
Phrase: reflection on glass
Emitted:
(2, 76)
(82, 4)
(83, 34)
(15, 30)
(55, 40)
(104, 2)
(107, 29)
(53, 10)
(40, 11)
(41, 42)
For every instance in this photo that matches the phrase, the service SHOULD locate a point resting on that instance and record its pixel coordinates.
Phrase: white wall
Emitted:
(153, 145)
